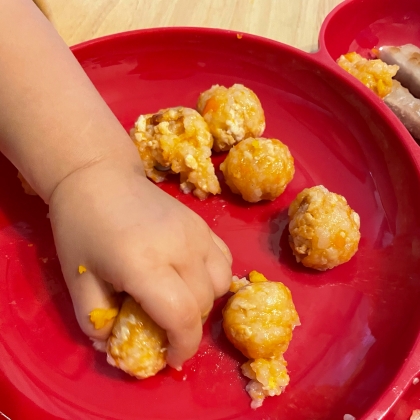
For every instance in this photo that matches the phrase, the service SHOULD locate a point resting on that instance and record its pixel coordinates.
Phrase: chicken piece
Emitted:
(406, 107)
(177, 140)
(233, 114)
(137, 345)
(258, 169)
(324, 230)
(258, 320)
(375, 74)
(407, 58)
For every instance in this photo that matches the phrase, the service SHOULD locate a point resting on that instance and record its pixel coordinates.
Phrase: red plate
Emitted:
(360, 25)
(360, 321)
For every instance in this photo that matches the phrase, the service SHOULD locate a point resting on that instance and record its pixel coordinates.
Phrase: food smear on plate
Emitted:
(324, 230)
(177, 140)
(407, 58)
(377, 75)
(232, 114)
(137, 345)
(258, 169)
(259, 320)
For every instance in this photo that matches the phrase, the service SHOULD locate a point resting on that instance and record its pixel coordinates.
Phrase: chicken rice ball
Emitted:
(324, 230)
(258, 169)
(177, 140)
(137, 345)
(259, 320)
(233, 114)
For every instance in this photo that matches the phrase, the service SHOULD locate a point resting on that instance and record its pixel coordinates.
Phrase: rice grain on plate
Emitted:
(233, 114)
(324, 230)
(177, 140)
(258, 169)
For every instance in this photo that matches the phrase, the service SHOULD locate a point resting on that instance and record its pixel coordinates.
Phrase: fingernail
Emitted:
(178, 368)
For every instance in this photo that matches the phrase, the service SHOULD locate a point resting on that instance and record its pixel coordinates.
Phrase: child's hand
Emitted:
(133, 237)
(105, 214)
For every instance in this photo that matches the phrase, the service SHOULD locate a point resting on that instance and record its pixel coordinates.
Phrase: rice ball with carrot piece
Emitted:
(232, 114)
(324, 230)
(177, 140)
(374, 74)
(259, 320)
(137, 345)
(258, 169)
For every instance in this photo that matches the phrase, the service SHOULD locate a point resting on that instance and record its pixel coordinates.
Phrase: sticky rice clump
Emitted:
(259, 320)
(177, 140)
(324, 230)
(233, 114)
(258, 169)
(137, 345)
(375, 74)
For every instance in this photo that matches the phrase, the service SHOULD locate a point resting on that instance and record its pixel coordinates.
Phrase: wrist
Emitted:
(120, 160)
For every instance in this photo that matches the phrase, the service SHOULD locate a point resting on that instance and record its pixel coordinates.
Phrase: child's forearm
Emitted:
(53, 121)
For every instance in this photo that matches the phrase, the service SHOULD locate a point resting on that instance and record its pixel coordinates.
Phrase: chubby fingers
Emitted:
(94, 303)
(219, 266)
(167, 299)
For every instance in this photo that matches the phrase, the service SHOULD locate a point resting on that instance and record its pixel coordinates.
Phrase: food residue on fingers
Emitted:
(82, 269)
(100, 317)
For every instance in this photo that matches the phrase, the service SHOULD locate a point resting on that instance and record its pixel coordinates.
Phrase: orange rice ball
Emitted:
(375, 74)
(258, 169)
(177, 140)
(232, 114)
(259, 320)
(324, 230)
(137, 345)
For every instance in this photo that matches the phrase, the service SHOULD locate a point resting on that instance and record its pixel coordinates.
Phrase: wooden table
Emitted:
(294, 22)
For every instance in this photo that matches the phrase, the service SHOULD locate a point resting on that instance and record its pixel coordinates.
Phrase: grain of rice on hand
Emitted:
(177, 140)
(233, 114)
(259, 320)
(324, 230)
(258, 169)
